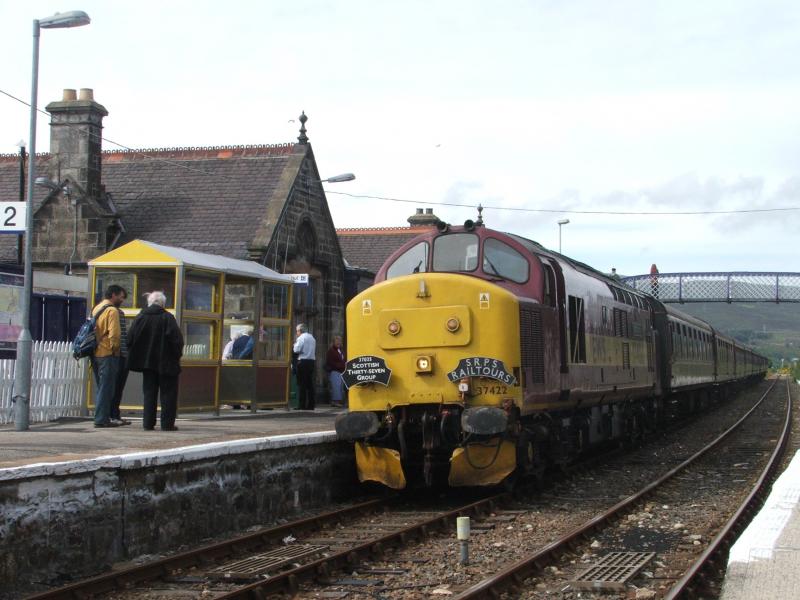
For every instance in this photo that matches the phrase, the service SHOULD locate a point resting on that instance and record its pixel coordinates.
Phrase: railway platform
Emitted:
(762, 564)
(75, 499)
(76, 439)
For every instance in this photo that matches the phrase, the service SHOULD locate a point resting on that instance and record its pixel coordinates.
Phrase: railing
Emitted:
(719, 287)
(57, 384)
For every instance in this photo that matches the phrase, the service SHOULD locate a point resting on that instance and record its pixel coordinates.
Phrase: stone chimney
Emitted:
(76, 128)
(424, 218)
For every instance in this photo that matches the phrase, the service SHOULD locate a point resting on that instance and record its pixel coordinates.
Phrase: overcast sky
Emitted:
(560, 106)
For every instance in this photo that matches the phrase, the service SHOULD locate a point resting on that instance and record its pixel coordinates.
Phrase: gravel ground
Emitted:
(433, 570)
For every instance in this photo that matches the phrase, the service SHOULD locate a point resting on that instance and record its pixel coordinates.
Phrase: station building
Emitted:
(263, 203)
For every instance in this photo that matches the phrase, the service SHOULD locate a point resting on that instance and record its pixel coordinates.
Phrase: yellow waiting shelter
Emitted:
(215, 300)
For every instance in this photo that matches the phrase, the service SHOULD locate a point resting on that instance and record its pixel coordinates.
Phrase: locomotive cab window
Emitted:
(413, 260)
(455, 252)
(502, 260)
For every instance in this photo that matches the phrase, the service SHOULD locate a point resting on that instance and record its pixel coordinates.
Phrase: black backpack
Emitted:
(85, 342)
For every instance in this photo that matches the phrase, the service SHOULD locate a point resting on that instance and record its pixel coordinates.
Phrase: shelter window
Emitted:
(138, 283)
(274, 335)
(413, 260)
(200, 292)
(199, 340)
(501, 259)
(239, 317)
(455, 252)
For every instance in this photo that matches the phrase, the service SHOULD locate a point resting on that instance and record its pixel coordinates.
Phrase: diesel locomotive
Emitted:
(480, 355)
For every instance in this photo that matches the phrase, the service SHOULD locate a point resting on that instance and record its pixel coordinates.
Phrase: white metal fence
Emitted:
(57, 383)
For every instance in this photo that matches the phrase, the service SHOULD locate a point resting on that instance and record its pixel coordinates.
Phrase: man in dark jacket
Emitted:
(155, 347)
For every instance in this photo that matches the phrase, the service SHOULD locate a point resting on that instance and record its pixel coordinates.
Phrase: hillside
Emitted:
(772, 329)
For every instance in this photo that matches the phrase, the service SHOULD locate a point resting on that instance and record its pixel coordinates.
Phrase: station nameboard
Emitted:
(13, 217)
(299, 278)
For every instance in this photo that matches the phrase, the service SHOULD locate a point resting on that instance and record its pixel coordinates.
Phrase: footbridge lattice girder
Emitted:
(718, 287)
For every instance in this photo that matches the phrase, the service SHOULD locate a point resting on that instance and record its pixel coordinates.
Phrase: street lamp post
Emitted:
(560, 223)
(22, 370)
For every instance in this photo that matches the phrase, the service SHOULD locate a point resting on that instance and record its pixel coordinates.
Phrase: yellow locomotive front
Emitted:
(434, 380)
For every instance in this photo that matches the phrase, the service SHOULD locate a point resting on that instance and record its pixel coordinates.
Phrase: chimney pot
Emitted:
(86, 94)
(419, 211)
(428, 211)
(68, 95)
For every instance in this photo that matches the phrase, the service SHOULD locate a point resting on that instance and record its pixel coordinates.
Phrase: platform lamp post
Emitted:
(560, 223)
(22, 370)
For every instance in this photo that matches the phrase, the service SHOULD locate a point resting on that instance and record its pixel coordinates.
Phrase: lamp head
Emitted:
(72, 18)
(563, 221)
(340, 178)
(441, 226)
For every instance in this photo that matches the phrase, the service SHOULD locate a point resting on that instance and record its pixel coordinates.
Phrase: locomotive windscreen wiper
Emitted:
(486, 259)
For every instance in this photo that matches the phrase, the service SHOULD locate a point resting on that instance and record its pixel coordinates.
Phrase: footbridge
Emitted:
(718, 287)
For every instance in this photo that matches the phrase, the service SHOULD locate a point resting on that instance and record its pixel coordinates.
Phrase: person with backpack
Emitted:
(106, 356)
(155, 347)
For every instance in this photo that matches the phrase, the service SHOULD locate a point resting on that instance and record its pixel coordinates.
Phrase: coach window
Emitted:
(455, 252)
(502, 260)
(413, 260)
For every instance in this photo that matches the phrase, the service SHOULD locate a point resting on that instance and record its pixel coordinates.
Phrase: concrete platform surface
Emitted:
(763, 563)
(76, 439)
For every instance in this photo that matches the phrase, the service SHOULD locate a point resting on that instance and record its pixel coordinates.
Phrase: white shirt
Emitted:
(306, 347)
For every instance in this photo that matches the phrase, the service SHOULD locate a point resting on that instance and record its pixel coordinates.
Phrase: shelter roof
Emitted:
(141, 252)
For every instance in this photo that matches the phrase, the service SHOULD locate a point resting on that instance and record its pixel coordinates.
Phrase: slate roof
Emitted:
(209, 200)
(369, 248)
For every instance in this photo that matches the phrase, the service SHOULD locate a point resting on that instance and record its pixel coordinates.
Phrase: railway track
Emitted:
(693, 563)
(276, 560)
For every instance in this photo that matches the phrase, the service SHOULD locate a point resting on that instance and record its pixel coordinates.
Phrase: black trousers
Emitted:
(305, 384)
(122, 377)
(153, 385)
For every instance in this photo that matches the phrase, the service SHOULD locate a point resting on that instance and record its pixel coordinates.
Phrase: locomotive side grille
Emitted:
(532, 340)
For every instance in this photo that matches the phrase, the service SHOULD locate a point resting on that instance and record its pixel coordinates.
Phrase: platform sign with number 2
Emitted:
(12, 217)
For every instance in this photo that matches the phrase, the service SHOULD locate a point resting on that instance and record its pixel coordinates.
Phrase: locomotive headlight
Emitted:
(394, 327)
(424, 364)
(453, 324)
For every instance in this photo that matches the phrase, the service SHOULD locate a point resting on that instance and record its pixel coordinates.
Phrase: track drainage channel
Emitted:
(612, 571)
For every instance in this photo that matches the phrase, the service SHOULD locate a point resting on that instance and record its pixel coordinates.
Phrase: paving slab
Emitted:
(763, 563)
(74, 439)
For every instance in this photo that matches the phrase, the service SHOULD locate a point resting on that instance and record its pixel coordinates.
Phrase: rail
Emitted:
(516, 572)
(724, 539)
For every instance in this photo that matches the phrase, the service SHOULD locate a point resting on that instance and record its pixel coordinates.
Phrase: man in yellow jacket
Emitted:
(106, 359)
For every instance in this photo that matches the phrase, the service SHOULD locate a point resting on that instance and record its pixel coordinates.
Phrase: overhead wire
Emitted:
(454, 204)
